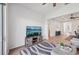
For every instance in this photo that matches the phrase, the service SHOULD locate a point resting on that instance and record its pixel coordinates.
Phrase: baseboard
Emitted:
(15, 48)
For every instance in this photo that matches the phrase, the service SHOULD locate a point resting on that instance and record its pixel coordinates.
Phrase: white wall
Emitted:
(18, 18)
(46, 29)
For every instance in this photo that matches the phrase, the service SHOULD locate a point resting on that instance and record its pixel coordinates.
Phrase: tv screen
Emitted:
(33, 31)
(57, 33)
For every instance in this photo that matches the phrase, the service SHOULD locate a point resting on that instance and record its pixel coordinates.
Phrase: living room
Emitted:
(54, 19)
(41, 15)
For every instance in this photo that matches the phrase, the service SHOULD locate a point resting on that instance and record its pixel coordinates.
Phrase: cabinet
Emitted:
(32, 40)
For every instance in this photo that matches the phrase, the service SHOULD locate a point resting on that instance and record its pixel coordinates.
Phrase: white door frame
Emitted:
(3, 29)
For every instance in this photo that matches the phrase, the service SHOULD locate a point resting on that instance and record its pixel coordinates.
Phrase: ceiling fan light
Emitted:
(54, 4)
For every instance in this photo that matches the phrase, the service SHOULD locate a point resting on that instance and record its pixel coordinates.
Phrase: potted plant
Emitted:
(62, 45)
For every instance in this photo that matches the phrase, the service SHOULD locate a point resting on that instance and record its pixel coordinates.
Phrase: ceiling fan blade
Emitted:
(76, 17)
(54, 4)
(43, 3)
(73, 17)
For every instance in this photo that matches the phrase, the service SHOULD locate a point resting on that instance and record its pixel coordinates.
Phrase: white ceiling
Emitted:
(42, 9)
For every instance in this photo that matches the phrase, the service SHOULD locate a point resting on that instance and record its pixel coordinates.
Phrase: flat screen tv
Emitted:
(33, 31)
(57, 33)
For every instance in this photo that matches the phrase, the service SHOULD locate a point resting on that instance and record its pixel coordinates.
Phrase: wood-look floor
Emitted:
(16, 51)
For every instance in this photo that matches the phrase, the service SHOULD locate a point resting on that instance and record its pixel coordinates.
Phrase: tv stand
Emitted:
(32, 40)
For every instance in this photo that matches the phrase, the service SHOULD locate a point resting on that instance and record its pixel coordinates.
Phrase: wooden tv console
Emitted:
(32, 40)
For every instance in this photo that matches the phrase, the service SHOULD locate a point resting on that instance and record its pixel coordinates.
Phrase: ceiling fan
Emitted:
(54, 4)
(73, 17)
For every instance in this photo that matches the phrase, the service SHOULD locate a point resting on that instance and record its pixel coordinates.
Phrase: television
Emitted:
(33, 31)
(57, 33)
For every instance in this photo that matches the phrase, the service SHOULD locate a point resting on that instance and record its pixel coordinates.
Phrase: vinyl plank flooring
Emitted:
(16, 51)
